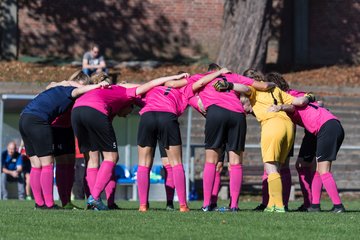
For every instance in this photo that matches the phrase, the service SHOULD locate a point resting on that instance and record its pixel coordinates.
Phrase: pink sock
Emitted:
(236, 175)
(286, 183)
(305, 183)
(36, 186)
(64, 181)
(143, 181)
(179, 182)
(208, 182)
(91, 174)
(331, 188)
(103, 177)
(316, 187)
(110, 190)
(265, 189)
(216, 188)
(169, 183)
(47, 184)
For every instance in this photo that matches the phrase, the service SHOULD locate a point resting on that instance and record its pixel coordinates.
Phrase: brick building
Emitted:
(321, 32)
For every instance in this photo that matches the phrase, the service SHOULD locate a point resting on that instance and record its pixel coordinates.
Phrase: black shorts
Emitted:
(225, 127)
(94, 130)
(64, 141)
(329, 140)
(158, 126)
(37, 135)
(308, 147)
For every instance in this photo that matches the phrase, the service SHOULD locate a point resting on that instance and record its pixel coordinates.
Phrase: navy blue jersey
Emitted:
(11, 162)
(50, 103)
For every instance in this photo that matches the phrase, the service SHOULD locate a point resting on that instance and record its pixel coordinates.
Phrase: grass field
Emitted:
(18, 220)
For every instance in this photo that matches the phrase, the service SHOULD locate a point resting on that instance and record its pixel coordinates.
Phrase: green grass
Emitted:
(18, 220)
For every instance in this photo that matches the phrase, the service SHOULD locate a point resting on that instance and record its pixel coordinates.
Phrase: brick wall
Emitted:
(125, 29)
(173, 28)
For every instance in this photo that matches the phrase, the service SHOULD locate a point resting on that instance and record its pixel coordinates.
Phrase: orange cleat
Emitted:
(143, 208)
(184, 208)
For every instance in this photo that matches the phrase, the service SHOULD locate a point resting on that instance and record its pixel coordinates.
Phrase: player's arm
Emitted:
(208, 78)
(176, 84)
(64, 84)
(302, 101)
(157, 82)
(81, 90)
(222, 86)
(263, 86)
(288, 108)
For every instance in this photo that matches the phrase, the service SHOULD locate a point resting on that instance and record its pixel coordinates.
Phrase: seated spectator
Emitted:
(26, 170)
(93, 62)
(11, 171)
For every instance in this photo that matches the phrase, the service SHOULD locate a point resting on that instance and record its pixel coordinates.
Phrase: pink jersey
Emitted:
(63, 121)
(190, 98)
(163, 99)
(295, 93)
(228, 100)
(312, 116)
(108, 100)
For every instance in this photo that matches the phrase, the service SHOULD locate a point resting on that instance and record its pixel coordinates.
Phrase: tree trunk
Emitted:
(245, 34)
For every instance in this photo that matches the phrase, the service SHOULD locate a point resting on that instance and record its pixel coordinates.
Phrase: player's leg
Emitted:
(236, 135)
(169, 181)
(64, 151)
(146, 139)
(304, 165)
(217, 181)
(215, 127)
(170, 138)
(273, 138)
(330, 138)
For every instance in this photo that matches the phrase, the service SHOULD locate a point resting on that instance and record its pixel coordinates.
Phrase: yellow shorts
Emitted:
(277, 138)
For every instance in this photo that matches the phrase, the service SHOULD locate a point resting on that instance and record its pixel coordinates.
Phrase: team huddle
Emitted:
(85, 107)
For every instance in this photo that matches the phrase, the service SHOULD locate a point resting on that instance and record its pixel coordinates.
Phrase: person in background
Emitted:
(11, 171)
(93, 62)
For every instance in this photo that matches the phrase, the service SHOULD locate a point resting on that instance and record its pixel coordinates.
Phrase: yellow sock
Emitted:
(275, 190)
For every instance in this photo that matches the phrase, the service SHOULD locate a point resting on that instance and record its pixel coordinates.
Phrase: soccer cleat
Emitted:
(53, 207)
(113, 206)
(223, 209)
(38, 207)
(269, 209)
(213, 206)
(235, 209)
(28, 198)
(206, 209)
(71, 206)
(97, 204)
(260, 207)
(143, 208)
(338, 209)
(184, 208)
(314, 208)
(302, 208)
(170, 207)
(280, 209)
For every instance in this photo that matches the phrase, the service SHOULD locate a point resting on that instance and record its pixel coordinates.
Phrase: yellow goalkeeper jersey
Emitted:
(262, 100)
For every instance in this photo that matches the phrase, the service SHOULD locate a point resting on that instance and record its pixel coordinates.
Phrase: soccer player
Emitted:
(329, 137)
(277, 132)
(92, 117)
(159, 122)
(35, 128)
(225, 124)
